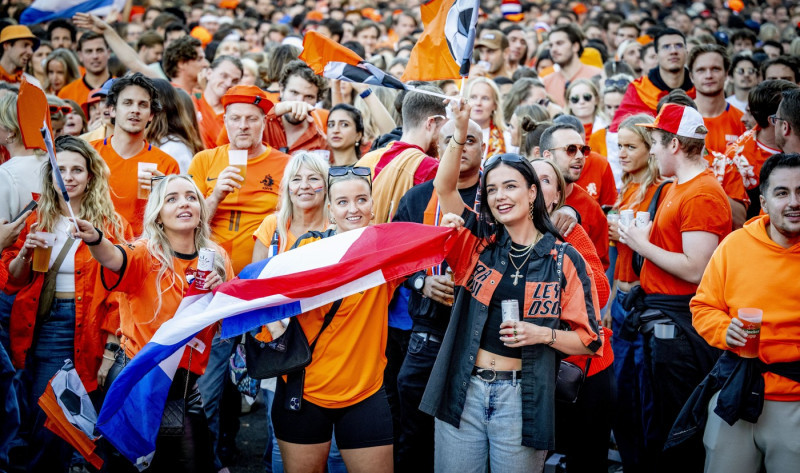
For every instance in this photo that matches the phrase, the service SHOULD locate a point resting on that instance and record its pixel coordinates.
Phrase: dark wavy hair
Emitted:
(357, 119)
(487, 226)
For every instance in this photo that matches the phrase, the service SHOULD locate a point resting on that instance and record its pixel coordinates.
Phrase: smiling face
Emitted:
(782, 203)
(582, 108)
(306, 190)
(94, 55)
(633, 151)
(222, 78)
(549, 182)
(342, 134)
(181, 209)
(74, 172)
(350, 204)
(570, 166)
(132, 112)
(368, 37)
(19, 52)
(508, 195)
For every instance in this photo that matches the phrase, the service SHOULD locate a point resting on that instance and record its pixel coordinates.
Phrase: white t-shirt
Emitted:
(20, 178)
(65, 278)
(179, 151)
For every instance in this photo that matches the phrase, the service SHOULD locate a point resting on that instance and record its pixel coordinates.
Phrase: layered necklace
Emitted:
(521, 252)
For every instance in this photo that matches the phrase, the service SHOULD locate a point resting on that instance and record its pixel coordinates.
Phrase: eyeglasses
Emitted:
(742, 71)
(506, 158)
(671, 47)
(774, 119)
(572, 150)
(577, 98)
(339, 171)
(63, 109)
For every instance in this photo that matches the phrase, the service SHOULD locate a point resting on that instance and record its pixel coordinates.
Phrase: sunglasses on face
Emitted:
(63, 109)
(572, 150)
(339, 171)
(577, 98)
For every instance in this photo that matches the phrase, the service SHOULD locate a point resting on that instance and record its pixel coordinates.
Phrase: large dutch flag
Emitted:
(283, 286)
(46, 10)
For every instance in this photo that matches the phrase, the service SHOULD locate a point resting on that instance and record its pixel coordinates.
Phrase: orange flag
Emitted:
(319, 50)
(33, 112)
(57, 422)
(444, 51)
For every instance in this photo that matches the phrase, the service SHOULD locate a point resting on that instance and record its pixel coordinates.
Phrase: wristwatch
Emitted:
(419, 282)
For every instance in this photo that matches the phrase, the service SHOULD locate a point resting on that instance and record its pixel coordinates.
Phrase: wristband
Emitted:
(365, 94)
(453, 138)
(96, 242)
(551, 342)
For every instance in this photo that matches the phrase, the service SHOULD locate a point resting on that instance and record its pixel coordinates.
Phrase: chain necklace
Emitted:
(527, 252)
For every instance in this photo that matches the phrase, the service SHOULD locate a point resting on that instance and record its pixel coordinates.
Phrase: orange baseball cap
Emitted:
(247, 94)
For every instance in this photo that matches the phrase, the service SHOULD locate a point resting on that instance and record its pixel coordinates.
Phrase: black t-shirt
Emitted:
(490, 338)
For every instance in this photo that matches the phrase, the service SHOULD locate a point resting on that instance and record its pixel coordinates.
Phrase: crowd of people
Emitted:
(622, 180)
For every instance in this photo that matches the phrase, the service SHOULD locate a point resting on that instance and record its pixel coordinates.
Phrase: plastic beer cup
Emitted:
(751, 318)
(41, 256)
(144, 194)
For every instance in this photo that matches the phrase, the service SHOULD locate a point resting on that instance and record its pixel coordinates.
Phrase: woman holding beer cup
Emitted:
(71, 319)
(492, 389)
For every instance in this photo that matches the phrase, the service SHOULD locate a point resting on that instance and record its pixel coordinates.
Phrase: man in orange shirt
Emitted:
(565, 146)
(566, 48)
(692, 218)
(730, 284)
(94, 54)
(134, 101)
(184, 59)
(756, 145)
(224, 73)
(18, 45)
(290, 124)
(238, 200)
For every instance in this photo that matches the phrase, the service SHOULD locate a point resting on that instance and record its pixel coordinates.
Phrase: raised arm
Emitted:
(126, 54)
(108, 255)
(446, 180)
(382, 118)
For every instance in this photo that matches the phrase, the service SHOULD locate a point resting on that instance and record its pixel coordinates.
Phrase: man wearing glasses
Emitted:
(562, 144)
(744, 75)
(644, 93)
(134, 102)
(407, 162)
(787, 122)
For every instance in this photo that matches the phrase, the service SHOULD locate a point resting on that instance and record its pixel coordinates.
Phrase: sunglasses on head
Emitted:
(339, 171)
(616, 83)
(572, 150)
(506, 158)
(577, 98)
(156, 179)
(58, 108)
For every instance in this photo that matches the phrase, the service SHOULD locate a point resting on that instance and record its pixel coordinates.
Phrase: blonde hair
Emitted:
(158, 244)
(96, 205)
(561, 183)
(652, 176)
(498, 119)
(371, 129)
(68, 60)
(598, 108)
(285, 208)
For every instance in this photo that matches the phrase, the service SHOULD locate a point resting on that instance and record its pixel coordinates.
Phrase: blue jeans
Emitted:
(273, 463)
(6, 302)
(490, 433)
(634, 428)
(211, 385)
(415, 444)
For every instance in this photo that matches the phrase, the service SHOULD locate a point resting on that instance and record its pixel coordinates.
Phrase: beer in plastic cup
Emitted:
(238, 158)
(510, 309)
(751, 320)
(612, 217)
(626, 218)
(642, 219)
(141, 193)
(41, 256)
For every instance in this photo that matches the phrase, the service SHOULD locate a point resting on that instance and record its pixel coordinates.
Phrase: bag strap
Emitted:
(654, 203)
(62, 255)
(560, 260)
(326, 322)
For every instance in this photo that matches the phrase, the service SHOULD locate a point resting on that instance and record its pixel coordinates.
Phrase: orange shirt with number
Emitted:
(123, 179)
(241, 212)
(698, 205)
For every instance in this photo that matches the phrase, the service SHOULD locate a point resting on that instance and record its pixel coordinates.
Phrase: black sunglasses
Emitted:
(572, 150)
(506, 158)
(339, 171)
(617, 83)
(577, 98)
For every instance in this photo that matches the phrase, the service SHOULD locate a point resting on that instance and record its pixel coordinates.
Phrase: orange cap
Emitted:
(247, 94)
(202, 34)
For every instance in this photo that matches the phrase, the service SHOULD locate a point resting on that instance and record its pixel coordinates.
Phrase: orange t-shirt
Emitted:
(597, 141)
(123, 180)
(597, 179)
(137, 310)
(209, 121)
(698, 205)
(350, 355)
(77, 90)
(724, 129)
(241, 212)
(267, 229)
(275, 136)
(624, 268)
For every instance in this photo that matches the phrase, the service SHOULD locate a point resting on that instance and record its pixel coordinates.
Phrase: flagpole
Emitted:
(48, 142)
(427, 92)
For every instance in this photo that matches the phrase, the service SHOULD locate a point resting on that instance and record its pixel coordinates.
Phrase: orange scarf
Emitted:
(497, 144)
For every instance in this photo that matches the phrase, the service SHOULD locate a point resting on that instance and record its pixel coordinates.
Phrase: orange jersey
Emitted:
(77, 90)
(698, 205)
(275, 136)
(137, 311)
(724, 129)
(241, 212)
(732, 281)
(266, 232)
(123, 180)
(598, 180)
(358, 332)
(748, 155)
(209, 121)
(624, 268)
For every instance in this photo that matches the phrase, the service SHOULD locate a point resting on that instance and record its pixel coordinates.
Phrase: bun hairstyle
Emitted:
(531, 133)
